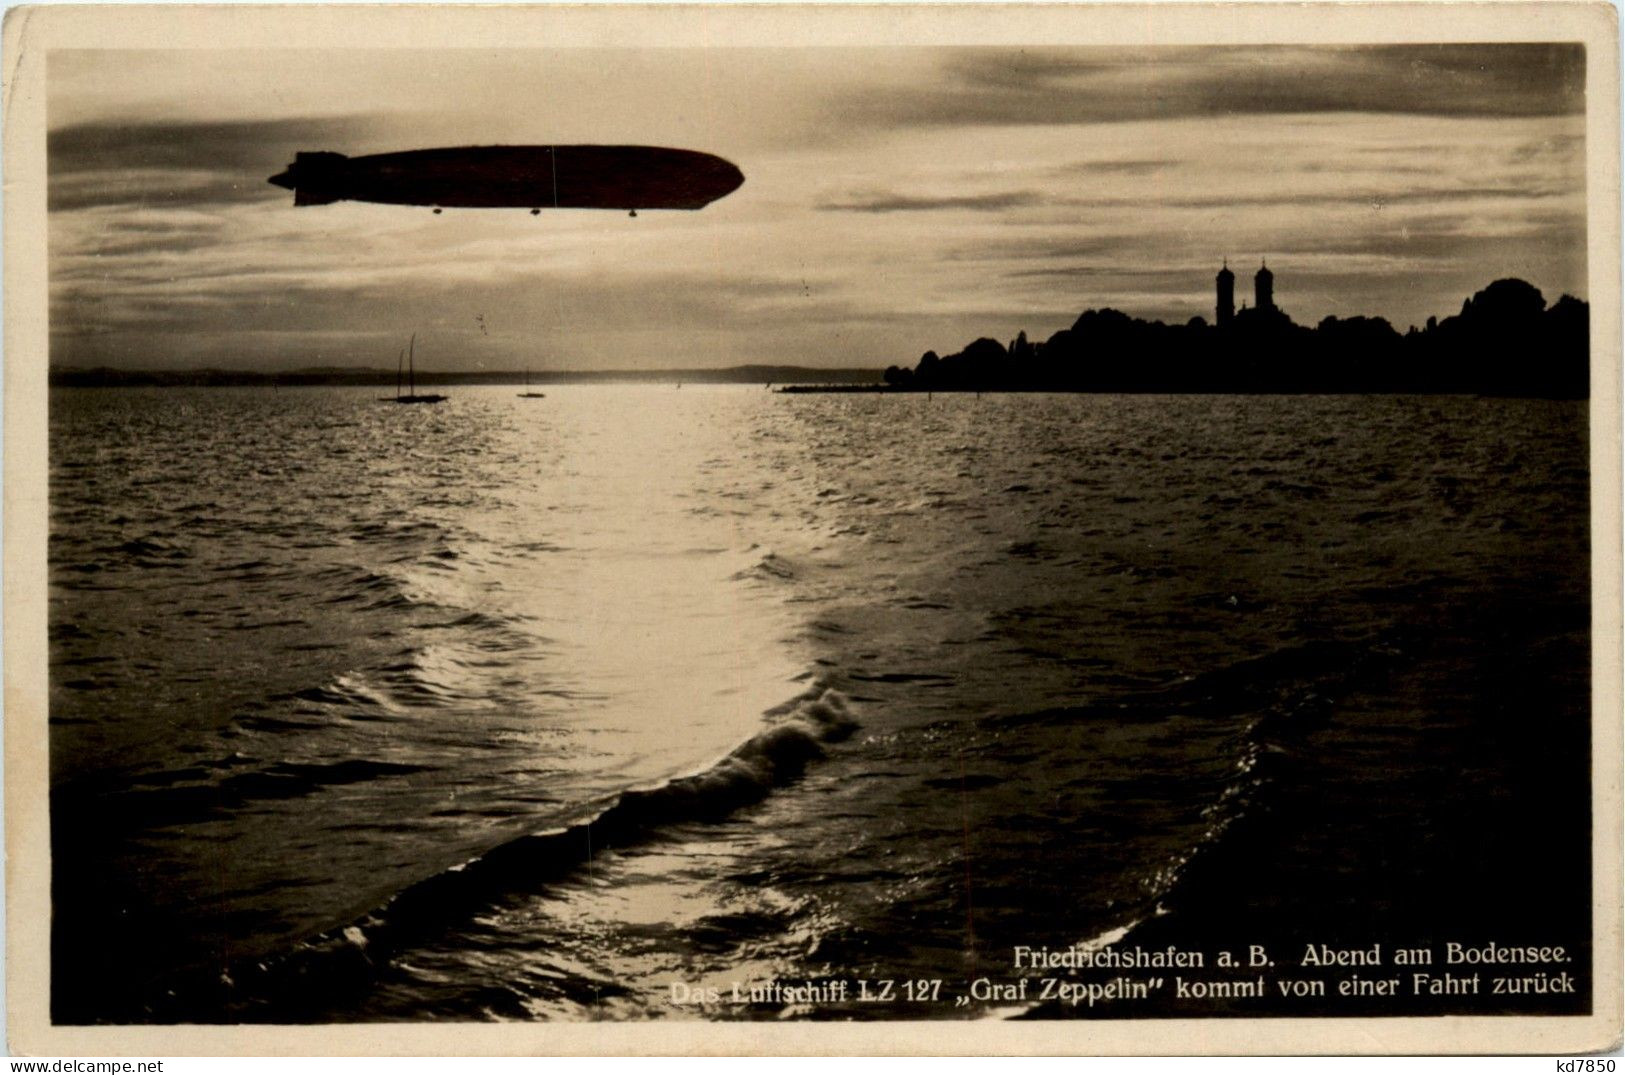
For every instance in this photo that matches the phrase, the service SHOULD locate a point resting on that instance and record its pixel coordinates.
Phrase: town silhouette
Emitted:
(1506, 341)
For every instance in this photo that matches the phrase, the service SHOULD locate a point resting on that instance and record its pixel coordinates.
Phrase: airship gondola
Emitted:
(627, 178)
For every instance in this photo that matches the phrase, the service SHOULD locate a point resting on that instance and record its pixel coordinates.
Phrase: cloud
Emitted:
(146, 187)
(1086, 86)
(1362, 197)
(221, 145)
(1376, 198)
(1114, 167)
(1104, 271)
(903, 203)
(958, 207)
(191, 163)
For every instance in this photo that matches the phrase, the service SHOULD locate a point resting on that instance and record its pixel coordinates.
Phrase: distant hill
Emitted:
(1506, 341)
(107, 377)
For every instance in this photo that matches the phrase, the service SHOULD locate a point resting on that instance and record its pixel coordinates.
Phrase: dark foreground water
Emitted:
(611, 703)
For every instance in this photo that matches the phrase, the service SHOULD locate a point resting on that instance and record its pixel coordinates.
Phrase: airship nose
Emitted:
(284, 179)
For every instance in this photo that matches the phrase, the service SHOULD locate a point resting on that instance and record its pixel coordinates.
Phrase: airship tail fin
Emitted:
(313, 176)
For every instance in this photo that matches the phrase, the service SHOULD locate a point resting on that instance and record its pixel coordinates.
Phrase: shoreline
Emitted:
(1161, 390)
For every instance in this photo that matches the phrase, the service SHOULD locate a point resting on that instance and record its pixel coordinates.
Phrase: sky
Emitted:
(895, 199)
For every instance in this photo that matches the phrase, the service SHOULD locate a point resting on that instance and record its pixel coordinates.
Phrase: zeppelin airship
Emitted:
(627, 178)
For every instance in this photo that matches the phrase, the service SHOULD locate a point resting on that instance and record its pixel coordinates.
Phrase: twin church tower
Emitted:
(1263, 292)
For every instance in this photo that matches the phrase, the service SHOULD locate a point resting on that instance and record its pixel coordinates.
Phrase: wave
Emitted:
(768, 566)
(152, 547)
(226, 786)
(1278, 701)
(151, 552)
(343, 691)
(346, 583)
(340, 959)
(1286, 849)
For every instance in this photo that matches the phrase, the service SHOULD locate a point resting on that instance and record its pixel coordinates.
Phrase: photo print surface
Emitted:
(939, 533)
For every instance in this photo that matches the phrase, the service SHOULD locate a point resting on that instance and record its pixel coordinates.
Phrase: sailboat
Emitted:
(531, 395)
(411, 378)
(400, 371)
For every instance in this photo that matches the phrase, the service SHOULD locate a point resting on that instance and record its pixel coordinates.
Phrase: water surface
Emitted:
(510, 708)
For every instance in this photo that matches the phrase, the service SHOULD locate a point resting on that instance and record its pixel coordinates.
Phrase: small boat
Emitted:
(531, 395)
(411, 378)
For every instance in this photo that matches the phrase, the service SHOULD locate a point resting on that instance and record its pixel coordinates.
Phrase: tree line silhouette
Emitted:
(1505, 341)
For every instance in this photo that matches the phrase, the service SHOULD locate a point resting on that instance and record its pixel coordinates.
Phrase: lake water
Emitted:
(577, 707)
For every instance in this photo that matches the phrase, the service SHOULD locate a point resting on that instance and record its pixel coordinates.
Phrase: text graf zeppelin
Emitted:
(1111, 981)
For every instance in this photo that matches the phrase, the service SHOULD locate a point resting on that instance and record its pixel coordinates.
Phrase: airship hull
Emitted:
(516, 177)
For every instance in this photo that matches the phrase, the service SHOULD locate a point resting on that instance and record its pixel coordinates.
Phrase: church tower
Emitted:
(1227, 295)
(1264, 288)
